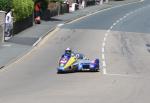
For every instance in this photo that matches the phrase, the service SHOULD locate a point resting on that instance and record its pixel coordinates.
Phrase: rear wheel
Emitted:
(95, 70)
(59, 72)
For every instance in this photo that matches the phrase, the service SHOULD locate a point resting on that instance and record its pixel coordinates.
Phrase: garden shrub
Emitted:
(22, 9)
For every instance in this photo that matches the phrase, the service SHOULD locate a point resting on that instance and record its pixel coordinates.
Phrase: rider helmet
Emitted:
(68, 51)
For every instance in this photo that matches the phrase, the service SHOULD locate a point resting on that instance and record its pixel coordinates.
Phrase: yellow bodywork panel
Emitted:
(70, 62)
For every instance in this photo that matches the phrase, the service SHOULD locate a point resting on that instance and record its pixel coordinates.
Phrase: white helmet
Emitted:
(68, 51)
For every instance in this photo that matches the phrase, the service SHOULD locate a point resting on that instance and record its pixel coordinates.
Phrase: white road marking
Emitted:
(37, 42)
(104, 39)
(103, 44)
(104, 71)
(114, 24)
(108, 31)
(111, 27)
(127, 14)
(106, 35)
(103, 57)
(104, 63)
(117, 21)
(103, 50)
(117, 74)
(59, 25)
(125, 17)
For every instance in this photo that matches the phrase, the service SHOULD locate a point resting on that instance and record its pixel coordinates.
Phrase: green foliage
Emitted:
(22, 9)
(5, 5)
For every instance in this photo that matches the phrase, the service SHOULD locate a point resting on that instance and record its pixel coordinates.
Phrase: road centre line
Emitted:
(103, 44)
(127, 14)
(104, 71)
(103, 50)
(104, 63)
(124, 17)
(108, 30)
(103, 57)
(104, 39)
(117, 21)
(107, 33)
(111, 27)
(114, 24)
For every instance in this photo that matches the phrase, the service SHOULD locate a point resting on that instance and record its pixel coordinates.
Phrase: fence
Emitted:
(54, 9)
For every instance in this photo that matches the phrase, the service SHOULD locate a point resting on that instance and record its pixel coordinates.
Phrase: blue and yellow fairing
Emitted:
(68, 65)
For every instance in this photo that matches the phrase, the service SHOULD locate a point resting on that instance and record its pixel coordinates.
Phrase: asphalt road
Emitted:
(119, 37)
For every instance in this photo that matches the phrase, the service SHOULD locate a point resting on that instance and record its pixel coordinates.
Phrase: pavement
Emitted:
(23, 42)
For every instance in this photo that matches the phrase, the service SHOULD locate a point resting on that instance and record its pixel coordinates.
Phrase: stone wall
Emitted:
(2, 20)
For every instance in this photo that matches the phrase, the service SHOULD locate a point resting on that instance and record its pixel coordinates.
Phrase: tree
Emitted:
(5, 5)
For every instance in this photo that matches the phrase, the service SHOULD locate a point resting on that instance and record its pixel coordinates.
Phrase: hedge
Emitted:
(22, 9)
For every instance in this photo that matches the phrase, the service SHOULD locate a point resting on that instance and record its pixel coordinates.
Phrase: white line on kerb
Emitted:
(37, 42)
